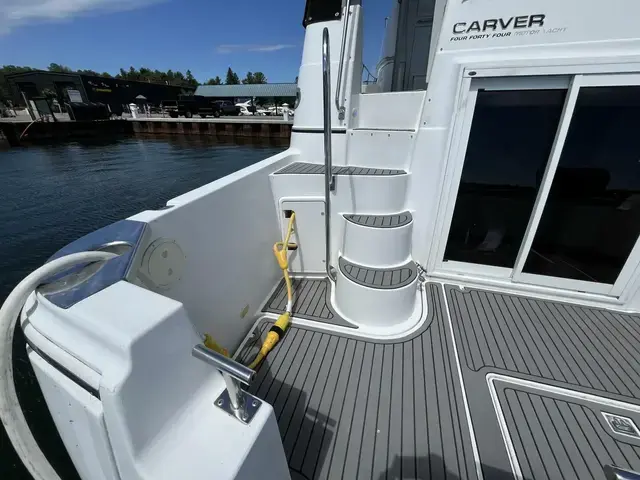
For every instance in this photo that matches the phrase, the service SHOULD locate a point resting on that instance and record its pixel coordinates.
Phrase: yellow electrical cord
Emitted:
(280, 327)
(209, 342)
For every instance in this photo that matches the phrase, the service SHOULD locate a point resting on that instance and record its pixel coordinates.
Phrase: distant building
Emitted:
(112, 91)
(278, 92)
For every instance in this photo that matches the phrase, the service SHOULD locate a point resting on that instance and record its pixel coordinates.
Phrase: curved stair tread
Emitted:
(305, 168)
(380, 278)
(381, 221)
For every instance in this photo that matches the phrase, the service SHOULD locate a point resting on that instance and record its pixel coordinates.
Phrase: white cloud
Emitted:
(14, 13)
(252, 48)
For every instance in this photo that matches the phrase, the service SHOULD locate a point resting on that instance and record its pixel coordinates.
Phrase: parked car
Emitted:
(190, 105)
(227, 107)
(169, 107)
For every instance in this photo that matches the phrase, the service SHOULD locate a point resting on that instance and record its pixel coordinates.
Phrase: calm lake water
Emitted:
(51, 195)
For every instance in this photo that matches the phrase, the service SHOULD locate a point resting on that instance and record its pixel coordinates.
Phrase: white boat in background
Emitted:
(456, 286)
(248, 108)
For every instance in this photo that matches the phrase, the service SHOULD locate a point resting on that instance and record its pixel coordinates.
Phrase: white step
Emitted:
(358, 190)
(383, 240)
(375, 298)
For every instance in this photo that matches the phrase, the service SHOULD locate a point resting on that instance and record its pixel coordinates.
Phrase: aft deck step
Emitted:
(304, 168)
(381, 221)
(379, 278)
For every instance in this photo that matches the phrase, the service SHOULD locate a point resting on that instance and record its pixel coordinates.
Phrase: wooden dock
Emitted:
(260, 129)
(244, 127)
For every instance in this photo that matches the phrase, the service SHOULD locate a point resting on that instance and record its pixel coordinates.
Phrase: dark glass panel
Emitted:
(511, 137)
(591, 220)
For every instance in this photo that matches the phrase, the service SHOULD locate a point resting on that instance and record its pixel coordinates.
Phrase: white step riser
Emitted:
(379, 247)
(354, 194)
(374, 308)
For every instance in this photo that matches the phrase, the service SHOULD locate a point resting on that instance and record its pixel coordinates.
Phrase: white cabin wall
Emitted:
(438, 18)
(308, 125)
(311, 146)
(309, 114)
(353, 65)
(591, 41)
(390, 110)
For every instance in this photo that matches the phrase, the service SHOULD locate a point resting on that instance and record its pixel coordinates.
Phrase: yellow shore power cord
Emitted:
(277, 330)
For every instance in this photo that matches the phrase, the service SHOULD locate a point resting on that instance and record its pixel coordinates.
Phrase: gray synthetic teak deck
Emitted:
(310, 301)
(557, 436)
(585, 348)
(349, 408)
(354, 408)
(304, 168)
(381, 221)
(381, 278)
(552, 344)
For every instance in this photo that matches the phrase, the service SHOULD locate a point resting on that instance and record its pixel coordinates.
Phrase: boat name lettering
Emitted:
(499, 24)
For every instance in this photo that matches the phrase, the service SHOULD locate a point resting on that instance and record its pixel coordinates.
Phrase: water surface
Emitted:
(51, 195)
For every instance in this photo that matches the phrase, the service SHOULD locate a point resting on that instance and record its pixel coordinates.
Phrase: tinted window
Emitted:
(510, 141)
(591, 220)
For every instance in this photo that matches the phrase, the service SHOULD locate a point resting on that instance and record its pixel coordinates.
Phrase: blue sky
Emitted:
(206, 36)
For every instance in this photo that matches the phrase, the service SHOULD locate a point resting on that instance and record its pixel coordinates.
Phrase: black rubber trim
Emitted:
(278, 330)
(316, 11)
(318, 130)
(71, 376)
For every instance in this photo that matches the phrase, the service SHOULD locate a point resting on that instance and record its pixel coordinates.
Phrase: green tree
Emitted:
(232, 77)
(248, 79)
(259, 77)
(144, 74)
(54, 67)
(89, 72)
(105, 74)
(214, 81)
(5, 91)
(191, 79)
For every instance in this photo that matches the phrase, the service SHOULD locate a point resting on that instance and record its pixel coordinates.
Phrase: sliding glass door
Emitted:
(584, 232)
(549, 190)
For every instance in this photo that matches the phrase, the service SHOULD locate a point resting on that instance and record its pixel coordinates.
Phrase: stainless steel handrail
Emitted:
(233, 400)
(345, 28)
(224, 364)
(329, 178)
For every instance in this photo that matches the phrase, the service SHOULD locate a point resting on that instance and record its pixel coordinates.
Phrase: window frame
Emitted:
(461, 130)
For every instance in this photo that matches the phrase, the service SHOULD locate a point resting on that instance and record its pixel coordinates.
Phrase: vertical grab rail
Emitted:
(329, 178)
(345, 27)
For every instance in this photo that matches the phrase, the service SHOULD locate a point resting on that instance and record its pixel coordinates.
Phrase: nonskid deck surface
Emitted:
(551, 391)
(352, 408)
(381, 278)
(395, 220)
(303, 168)
(554, 370)
(311, 301)
(572, 346)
